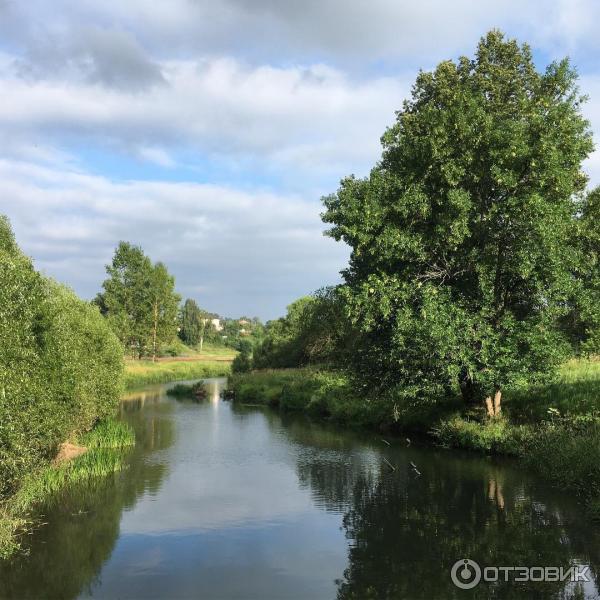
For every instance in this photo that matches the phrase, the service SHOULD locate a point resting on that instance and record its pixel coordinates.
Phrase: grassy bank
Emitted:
(210, 351)
(554, 429)
(143, 372)
(103, 455)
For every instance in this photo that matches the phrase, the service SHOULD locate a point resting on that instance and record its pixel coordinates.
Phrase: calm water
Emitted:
(226, 501)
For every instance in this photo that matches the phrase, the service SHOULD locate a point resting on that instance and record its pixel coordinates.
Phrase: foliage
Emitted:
(139, 301)
(60, 365)
(124, 300)
(183, 390)
(242, 363)
(584, 320)
(108, 433)
(461, 263)
(315, 330)
(192, 323)
(328, 394)
(492, 437)
(243, 331)
(566, 451)
(575, 391)
(164, 305)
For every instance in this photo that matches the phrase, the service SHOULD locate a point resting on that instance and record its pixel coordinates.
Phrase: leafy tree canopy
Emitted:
(460, 260)
(139, 300)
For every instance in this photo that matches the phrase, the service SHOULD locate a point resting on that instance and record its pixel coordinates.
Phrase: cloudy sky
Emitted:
(207, 130)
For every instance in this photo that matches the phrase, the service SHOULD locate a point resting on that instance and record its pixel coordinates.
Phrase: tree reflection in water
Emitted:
(405, 531)
(65, 555)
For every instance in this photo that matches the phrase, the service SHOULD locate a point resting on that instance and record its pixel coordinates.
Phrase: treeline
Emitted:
(60, 365)
(475, 247)
(142, 307)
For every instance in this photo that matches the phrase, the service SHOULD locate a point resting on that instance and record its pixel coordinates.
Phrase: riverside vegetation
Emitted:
(62, 372)
(469, 311)
(470, 308)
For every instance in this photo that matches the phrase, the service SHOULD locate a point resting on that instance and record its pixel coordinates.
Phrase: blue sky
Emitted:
(208, 131)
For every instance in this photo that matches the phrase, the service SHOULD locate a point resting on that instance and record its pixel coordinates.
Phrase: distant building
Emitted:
(215, 322)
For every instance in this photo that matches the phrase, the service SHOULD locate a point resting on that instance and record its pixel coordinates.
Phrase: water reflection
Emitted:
(228, 501)
(80, 525)
(406, 530)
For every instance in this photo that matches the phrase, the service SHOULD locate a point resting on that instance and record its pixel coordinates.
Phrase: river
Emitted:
(220, 500)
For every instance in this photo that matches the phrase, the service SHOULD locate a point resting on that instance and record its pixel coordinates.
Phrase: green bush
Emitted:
(495, 436)
(60, 365)
(321, 393)
(242, 363)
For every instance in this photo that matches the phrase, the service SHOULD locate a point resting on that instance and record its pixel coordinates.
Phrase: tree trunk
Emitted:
(201, 342)
(467, 388)
(493, 407)
(154, 331)
(497, 402)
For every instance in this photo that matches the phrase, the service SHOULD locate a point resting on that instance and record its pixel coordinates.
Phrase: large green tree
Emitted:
(587, 311)
(124, 300)
(192, 323)
(164, 305)
(139, 301)
(461, 261)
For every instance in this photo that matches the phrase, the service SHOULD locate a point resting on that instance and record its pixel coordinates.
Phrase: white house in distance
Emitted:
(215, 322)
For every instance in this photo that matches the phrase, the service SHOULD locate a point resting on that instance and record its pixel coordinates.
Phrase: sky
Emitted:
(208, 131)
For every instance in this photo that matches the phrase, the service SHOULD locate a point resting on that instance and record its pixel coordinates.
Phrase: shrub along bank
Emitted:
(60, 367)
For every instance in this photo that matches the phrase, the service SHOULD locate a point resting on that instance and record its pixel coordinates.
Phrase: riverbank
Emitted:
(97, 453)
(145, 372)
(554, 429)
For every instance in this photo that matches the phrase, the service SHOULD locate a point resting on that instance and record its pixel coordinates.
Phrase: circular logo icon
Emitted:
(465, 573)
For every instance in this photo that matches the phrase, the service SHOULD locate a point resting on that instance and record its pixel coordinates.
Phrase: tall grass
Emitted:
(140, 373)
(105, 445)
(109, 433)
(575, 391)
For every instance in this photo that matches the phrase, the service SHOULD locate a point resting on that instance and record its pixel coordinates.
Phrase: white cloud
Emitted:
(258, 250)
(298, 117)
(350, 33)
(157, 156)
(273, 100)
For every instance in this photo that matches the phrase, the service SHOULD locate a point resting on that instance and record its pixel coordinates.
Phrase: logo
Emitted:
(465, 573)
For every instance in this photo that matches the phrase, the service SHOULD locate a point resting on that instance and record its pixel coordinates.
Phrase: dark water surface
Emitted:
(226, 501)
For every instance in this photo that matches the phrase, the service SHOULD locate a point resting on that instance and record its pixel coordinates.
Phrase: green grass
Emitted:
(108, 434)
(209, 351)
(576, 391)
(327, 394)
(138, 373)
(105, 443)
